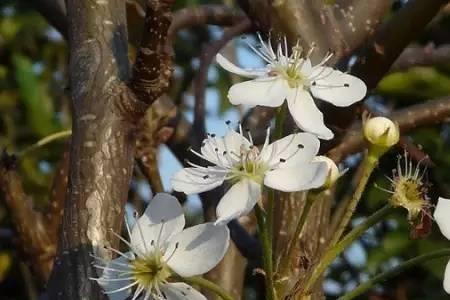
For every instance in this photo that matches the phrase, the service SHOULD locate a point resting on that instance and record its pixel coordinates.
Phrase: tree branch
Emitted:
(54, 11)
(203, 14)
(153, 67)
(34, 243)
(421, 56)
(427, 113)
(102, 146)
(207, 57)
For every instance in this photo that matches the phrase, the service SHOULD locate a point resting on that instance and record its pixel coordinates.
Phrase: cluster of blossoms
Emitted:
(161, 252)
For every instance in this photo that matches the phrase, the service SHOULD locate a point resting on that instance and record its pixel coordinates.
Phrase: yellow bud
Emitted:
(381, 132)
(333, 171)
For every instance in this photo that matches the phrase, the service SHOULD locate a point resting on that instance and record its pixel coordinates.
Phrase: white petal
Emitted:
(162, 218)
(238, 200)
(447, 278)
(109, 274)
(181, 291)
(230, 67)
(299, 178)
(194, 180)
(270, 92)
(442, 216)
(213, 148)
(338, 88)
(292, 149)
(306, 114)
(198, 249)
(306, 68)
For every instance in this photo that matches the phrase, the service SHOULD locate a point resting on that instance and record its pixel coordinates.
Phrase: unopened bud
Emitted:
(381, 132)
(333, 171)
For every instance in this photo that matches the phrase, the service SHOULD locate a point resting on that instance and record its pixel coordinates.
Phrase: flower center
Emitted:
(250, 166)
(150, 271)
(408, 193)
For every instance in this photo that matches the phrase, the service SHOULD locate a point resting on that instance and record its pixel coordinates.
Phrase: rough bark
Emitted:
(101, 157)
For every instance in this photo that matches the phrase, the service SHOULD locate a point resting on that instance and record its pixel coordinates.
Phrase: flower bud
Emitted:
(381, 132)
(333, 171)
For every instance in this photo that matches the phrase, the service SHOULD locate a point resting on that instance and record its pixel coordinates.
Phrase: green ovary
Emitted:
(250, 170)
(150, 271)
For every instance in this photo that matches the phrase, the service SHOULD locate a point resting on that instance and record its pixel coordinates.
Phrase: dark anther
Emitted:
(183, 293)
(314, 83)
(164, 295)
(346, 84)
(241, 169)
(152, 242)
(206, 177)
(247, 129)
(300, 146)
(224, 153)
(216, 149)
(176, 245)
(228, 122)
(282, 160)
(213, 135)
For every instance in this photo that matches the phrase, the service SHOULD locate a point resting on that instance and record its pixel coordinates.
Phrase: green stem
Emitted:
(209, 285)
(279, 121)
(331, 254)
(267, 252)
(46, 140)
(369, 165)
(298, 230)
(362, 288)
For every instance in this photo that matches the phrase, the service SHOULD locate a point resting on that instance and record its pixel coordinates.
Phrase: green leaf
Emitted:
(38, 105)
(416, 83)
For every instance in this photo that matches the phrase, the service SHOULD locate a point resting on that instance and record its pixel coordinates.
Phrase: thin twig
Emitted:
(429, 112)
(201, 81)
(422, 56)
(203, 14)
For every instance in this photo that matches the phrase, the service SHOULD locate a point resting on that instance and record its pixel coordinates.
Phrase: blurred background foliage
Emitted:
(34, 104)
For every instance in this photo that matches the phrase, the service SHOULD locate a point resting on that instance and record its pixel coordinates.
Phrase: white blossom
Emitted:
(294, 78)
(160, 252)
(442, 217)
(285, 165)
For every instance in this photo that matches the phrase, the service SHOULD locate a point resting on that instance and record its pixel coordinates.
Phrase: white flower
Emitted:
(160, 252)
(442, 217)
(293, 77)
(285, 165)
(333, 171)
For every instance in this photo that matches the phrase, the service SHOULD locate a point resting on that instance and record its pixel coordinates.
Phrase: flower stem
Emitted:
(209, 285)
(279, 121)
(394, 271)
(263, 233)
(46, 140)
(369, 165)
(331, 254)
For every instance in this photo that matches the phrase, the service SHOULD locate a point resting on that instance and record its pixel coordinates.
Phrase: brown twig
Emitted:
(427, 113)
(58, 191)
(54, 11)
(203, 14)
(153, 67)
(207, 57)
(393, 36)
(34, 242)
(154, 130)
(422, 56)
